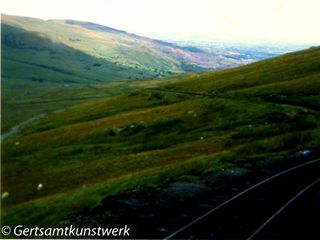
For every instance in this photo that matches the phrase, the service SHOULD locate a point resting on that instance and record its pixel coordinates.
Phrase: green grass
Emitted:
(40, 74)
(23, 99)
(149, 137)
(41, 59)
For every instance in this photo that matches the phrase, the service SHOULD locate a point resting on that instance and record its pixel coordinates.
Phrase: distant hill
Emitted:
(75, 52)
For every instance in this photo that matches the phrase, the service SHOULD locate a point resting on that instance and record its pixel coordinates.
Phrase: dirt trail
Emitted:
(18, 127)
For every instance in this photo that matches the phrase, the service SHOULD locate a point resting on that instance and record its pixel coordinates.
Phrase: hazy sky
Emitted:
(292, 21)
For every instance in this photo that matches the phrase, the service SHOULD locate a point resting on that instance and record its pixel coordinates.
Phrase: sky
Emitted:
(278, 21)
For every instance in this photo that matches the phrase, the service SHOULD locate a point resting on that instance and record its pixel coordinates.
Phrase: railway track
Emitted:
(253, 213)
(276, 227)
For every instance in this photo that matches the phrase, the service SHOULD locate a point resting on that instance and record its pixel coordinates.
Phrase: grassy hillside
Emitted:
(23, 99)
(200, 124)
(40, 75)
(95, 54)
(288, 67)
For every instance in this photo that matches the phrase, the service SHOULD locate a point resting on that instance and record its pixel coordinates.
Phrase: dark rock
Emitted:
(183, 191)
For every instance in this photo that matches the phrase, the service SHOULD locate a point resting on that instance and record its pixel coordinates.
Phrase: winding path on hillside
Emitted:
(19, 126)
(216, 95)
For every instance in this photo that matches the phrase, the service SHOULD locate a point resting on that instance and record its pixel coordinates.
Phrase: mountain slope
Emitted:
(287, 67)
(200, 124)
(31, 56)
(49, 51)
(140, 56)
(38, 75)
